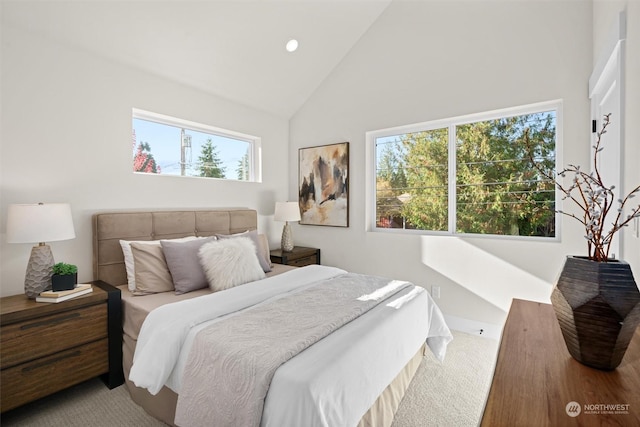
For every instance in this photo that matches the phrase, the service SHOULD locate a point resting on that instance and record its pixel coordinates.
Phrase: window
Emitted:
(470, 175)
(169, 146)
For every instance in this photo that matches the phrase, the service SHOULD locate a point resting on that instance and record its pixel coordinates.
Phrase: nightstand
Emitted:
(298, 257)
(47, 347)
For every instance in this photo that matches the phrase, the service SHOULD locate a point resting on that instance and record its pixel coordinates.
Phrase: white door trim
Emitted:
(606, 86)
(617, 34)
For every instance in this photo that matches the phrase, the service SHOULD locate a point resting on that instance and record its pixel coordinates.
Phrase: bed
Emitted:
(356, 375)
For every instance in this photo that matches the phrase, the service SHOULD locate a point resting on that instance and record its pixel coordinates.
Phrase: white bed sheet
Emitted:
(332, 383)
(166, 329)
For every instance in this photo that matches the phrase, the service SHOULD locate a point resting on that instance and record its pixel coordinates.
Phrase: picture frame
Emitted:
(323, 185)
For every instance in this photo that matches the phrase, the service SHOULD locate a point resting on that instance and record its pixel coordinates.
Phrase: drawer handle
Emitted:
(50, 321)
(51, 361)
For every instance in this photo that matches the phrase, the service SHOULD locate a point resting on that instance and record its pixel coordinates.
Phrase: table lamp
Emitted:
(39, 223)
(287, 211)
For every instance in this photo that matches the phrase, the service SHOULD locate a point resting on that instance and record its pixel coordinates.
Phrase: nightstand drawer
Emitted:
(299, 256)
(301, 262)
(31, 339)
(41, 377)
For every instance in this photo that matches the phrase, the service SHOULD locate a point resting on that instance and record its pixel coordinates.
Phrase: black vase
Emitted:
(598, 308)
(65, 282)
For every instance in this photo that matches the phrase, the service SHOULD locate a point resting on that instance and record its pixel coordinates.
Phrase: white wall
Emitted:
(428, 60)
(66, 129)
(604, 14)
(66, 137)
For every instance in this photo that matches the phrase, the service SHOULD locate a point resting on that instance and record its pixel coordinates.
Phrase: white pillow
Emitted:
(128, 256)
(230, 262)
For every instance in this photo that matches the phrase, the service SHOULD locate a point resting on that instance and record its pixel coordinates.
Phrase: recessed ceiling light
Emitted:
(292, 45)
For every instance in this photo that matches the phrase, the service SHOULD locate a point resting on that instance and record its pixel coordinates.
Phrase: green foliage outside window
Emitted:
(497, 188)
(209, 163)
(243, 168)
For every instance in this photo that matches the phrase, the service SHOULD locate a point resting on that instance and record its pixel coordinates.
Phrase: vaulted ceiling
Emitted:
(232, 49)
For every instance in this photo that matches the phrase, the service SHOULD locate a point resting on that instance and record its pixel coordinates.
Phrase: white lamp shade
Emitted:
(35, 223)
(287, 211)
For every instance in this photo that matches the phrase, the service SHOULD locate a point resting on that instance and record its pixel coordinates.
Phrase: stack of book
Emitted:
(59, 296)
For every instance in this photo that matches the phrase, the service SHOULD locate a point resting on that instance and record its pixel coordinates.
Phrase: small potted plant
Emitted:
(65, 277)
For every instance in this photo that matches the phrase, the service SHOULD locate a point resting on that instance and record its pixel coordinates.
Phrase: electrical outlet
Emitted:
(435, 291)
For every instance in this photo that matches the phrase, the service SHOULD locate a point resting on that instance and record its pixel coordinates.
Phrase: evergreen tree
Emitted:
(243, 167)
(209, 163)
(391, 183)
(427, 179)
(498, 191)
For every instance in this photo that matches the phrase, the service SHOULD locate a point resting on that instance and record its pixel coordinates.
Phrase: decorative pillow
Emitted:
(184, 264)
(230, 262)
(151, 271)
(263, 255)
(263, 249)
(128, 256)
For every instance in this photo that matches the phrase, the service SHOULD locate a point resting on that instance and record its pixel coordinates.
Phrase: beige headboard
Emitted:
(109, 228)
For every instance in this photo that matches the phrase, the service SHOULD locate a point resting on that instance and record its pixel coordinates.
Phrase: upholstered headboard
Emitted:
(110, 228)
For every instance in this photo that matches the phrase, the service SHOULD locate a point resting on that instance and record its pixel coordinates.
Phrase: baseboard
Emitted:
(473, 327)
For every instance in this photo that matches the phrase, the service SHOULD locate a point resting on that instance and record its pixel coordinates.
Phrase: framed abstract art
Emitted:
(323, 185)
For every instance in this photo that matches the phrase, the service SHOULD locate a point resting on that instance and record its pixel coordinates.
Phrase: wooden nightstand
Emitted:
(298, 257)
(47, 347)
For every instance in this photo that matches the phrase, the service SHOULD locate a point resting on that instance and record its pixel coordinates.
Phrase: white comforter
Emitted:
(332, 383)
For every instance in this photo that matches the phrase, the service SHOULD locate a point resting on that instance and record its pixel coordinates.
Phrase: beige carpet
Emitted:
(448, 394)
(451, 393)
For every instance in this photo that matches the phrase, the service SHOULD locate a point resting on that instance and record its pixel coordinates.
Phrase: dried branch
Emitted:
(593, 197)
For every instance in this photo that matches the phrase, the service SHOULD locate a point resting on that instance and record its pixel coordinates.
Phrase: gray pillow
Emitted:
(183, 262)
(265, 261)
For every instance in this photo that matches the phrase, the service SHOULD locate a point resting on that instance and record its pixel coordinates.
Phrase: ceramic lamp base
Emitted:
(286, 244)
(39, 271)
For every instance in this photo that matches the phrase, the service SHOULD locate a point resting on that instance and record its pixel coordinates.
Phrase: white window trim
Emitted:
(370, 153)
(255, 141)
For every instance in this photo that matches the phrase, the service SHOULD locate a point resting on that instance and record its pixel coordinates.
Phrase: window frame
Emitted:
(255, 142)
(451, 123)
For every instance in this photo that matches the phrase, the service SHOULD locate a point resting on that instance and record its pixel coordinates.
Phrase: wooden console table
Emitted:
(537, 382)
